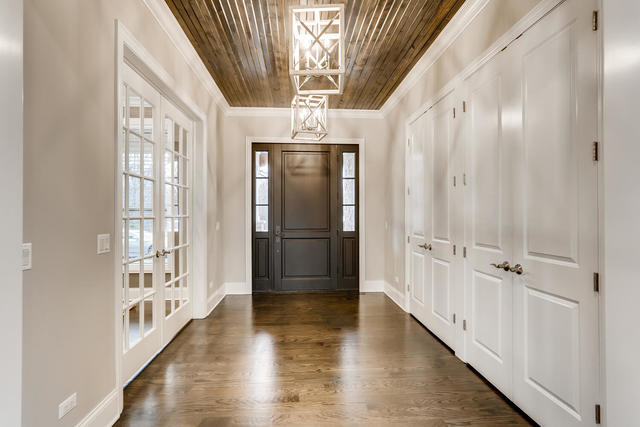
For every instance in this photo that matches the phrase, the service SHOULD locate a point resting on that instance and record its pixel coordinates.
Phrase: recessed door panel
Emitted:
(487, 296)
(552, 348)
(306, 191)
(441, 290)
(306, 257)
(441, 178)
(417, 277)
(551, 164)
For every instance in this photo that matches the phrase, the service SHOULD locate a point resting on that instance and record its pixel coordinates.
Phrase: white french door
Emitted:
(556, 350)
(153, 157)
(433, 253)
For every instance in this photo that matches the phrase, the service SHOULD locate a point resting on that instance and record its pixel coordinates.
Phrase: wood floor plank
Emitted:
(310, 359)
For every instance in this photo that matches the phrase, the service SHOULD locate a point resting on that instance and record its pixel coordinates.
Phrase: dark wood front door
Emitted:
(305, 222)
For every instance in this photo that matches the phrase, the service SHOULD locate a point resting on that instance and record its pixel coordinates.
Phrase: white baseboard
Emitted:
(105, 414)
(395, 295)
(373, 286)
(215, 299)
(237, 288)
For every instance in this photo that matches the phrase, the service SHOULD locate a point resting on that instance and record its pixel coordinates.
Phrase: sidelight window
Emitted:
(262, 191)
(348, 191)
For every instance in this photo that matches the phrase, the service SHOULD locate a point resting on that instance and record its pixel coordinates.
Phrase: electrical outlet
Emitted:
(67, 405)
(104, 244)
(27, 255)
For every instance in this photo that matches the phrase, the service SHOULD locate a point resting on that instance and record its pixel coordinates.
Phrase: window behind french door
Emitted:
(155, 168)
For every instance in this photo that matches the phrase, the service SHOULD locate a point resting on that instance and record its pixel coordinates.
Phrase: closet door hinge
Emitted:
(464, 179)
(594, 21)
(464, 325)
(454, 318)
(596, 282)
(598, 414)
(464, 106)
(454, 112)
(596, 150)
(454, 249)
(464, 252)
(454, 180)
(408, 239)
(408, 191)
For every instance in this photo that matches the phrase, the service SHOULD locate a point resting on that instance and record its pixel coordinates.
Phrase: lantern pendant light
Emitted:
(309, 117)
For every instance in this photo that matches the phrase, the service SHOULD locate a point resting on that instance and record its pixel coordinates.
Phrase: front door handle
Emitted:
(277, 231)
(425, 247)
(505, 266)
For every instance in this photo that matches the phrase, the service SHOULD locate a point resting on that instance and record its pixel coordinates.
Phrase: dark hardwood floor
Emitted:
(310, 359)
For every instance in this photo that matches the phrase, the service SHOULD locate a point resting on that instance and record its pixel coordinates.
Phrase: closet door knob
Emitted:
(505, 266)
(425, 247)
(517, 269)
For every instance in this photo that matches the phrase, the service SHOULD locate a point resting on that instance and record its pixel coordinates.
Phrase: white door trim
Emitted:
(360, 142)
(130, 51)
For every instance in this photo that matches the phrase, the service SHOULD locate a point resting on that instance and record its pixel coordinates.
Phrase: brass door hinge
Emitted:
(596, 282)
(596, 153)
(598, 414)
(594, 21)
(464, 106)
(454, 112)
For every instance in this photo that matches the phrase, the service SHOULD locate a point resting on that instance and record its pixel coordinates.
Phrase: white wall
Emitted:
(235, 131)
(69, 194)
(497, 17)
(11, 212)
(621, 155)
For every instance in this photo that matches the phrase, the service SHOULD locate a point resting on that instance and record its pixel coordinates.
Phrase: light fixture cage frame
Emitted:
(309, 117)
(307, 21)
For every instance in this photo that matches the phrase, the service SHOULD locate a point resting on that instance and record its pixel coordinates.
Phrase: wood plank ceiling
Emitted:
(244, 44)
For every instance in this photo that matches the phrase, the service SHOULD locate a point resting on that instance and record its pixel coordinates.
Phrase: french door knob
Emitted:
(517, 269)
(425, 247)
(505, 266)
(160, 253)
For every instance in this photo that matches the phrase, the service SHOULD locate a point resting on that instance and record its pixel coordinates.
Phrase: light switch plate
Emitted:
(67, 405)
(27, 255)
(104, 243)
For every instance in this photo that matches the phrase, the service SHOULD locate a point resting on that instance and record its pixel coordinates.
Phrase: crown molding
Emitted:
(460, 21)
(171, 27)
(286, 112)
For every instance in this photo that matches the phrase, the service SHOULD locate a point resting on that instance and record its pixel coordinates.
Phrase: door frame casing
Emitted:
(129, 51)
(249, 141)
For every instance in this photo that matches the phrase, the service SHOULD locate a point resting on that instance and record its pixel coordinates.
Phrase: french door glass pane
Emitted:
(148, 315)
(148, 159)
(134, 196)
(134, 325)
(148, 197)
(134, 239)
(134, 154)
(148, 240)
(148, 120)
(134, 111)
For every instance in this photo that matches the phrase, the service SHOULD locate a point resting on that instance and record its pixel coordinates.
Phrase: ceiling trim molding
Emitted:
(460, 21)
(286, 112)
(171, 27)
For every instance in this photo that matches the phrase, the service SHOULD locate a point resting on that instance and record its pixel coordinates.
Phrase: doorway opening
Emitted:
(305, 223)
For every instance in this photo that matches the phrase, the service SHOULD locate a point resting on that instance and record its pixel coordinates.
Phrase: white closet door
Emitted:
(441, 273)
(419, 226)
(488, 204)
(556, 357)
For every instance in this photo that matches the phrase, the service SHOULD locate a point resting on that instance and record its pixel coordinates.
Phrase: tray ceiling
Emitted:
(243, 43)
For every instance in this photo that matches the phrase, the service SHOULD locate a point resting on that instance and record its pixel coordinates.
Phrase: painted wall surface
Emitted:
(11, 212)
(69, 194)
(621, 151)
(497, 17)
(235, 131)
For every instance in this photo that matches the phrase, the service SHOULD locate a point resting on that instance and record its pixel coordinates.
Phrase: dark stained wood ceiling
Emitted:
(244, 44)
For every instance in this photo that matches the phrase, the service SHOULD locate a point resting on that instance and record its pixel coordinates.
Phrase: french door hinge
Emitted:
(454, 249)
(454, 180)
(464, 325)
(408, 239)
(464, 179)
(464, 106)
(454, 112)
(454, 318)
(596, 282)
(594, 21)
(464, 252)
(596, 153)
(598, 414)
